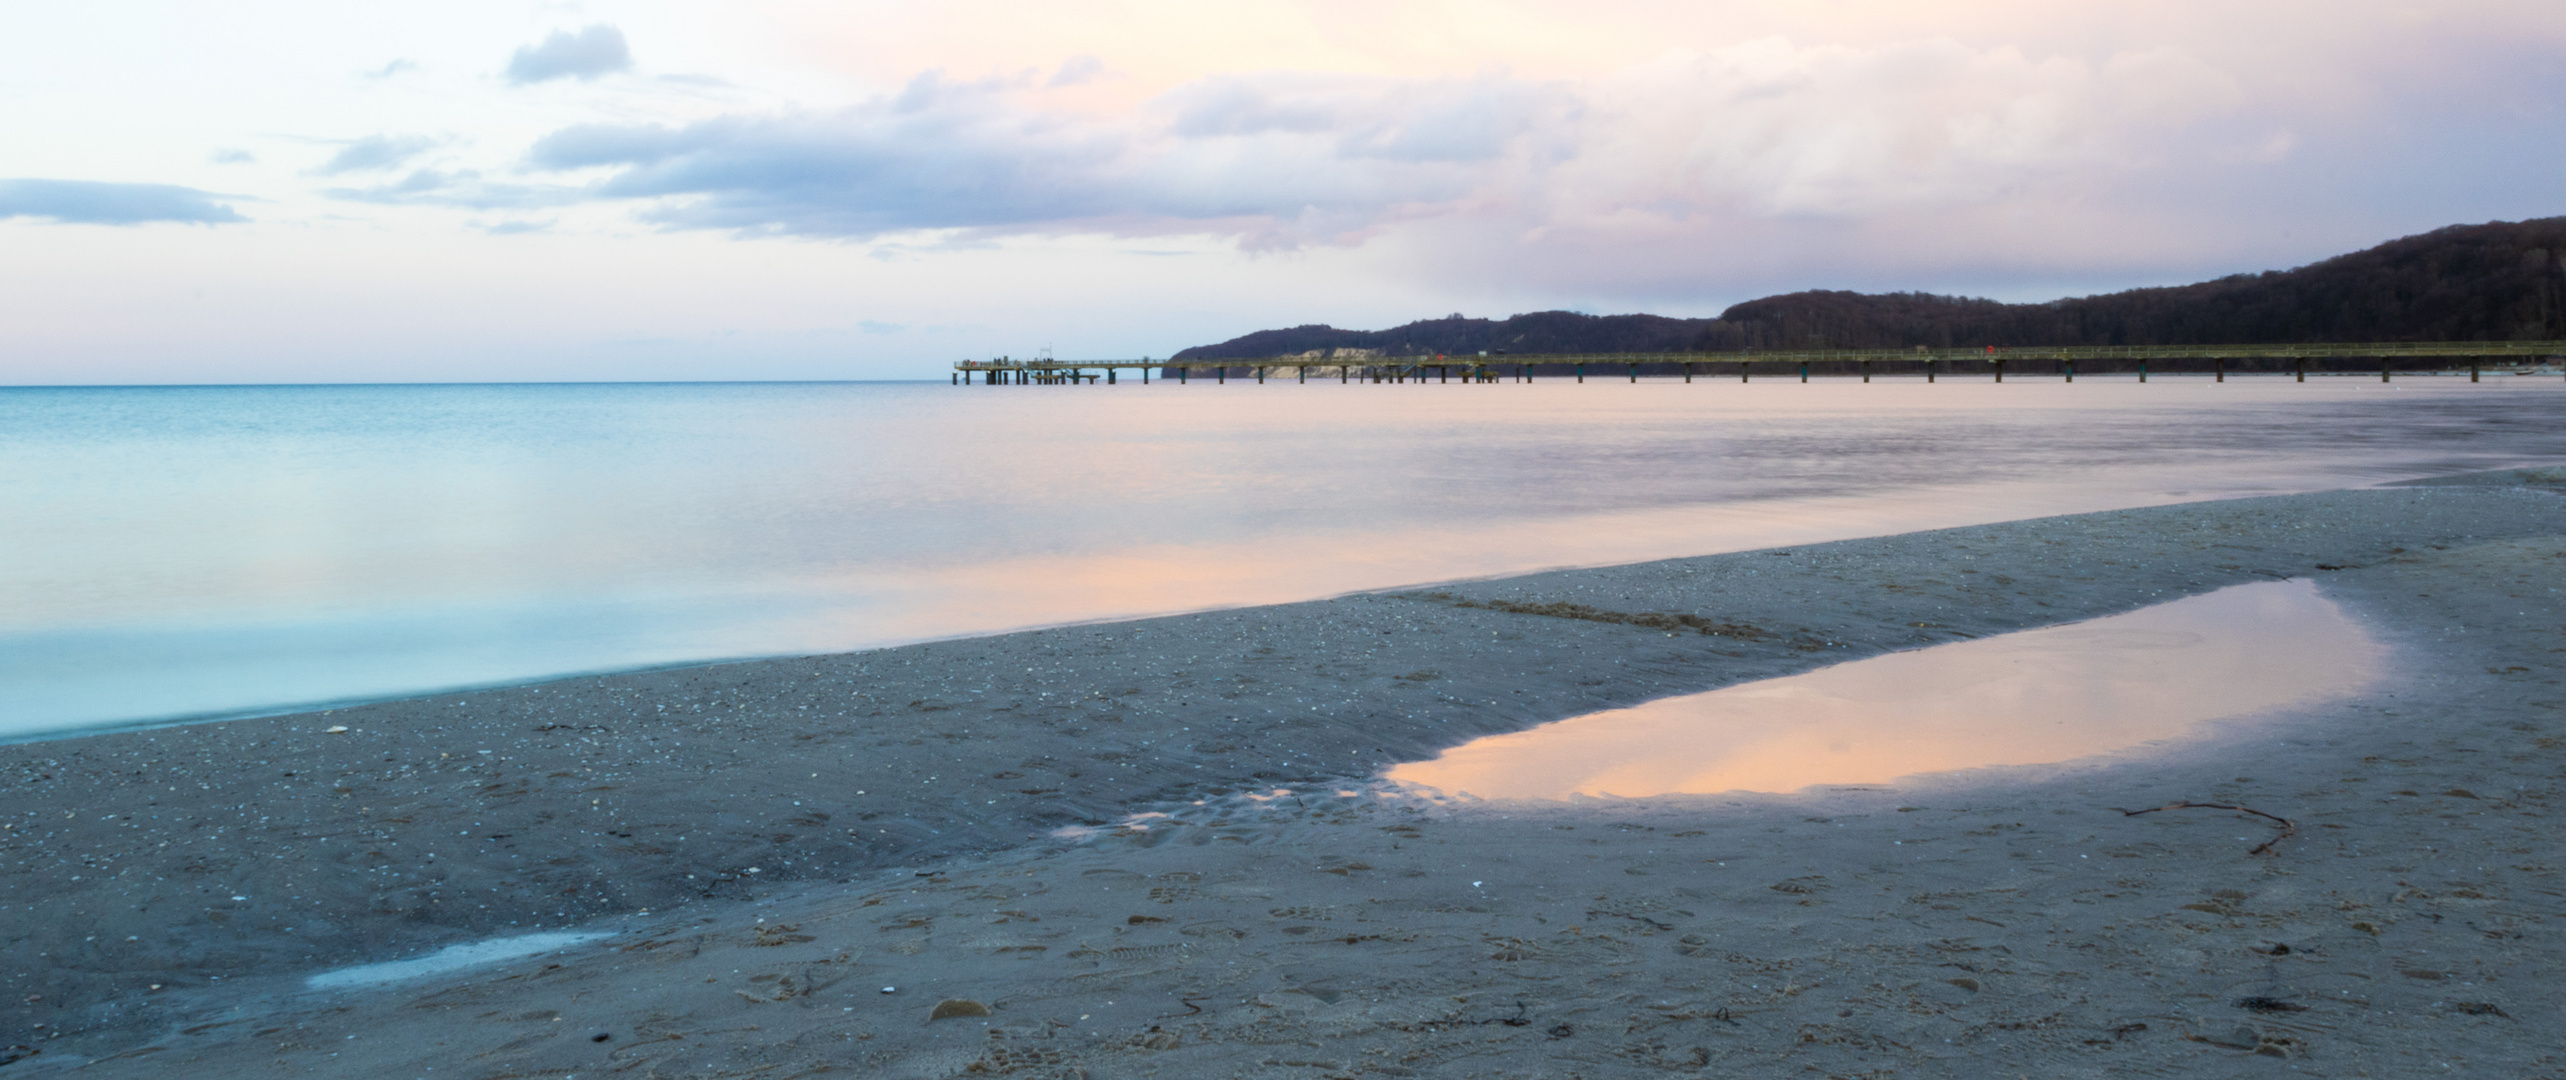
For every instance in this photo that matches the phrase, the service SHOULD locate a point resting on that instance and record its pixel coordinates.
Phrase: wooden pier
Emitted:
(2385, 359)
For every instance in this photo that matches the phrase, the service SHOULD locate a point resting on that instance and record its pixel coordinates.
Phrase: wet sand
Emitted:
(775, 842)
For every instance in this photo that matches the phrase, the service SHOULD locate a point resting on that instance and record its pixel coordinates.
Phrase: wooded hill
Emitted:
(2503, 281)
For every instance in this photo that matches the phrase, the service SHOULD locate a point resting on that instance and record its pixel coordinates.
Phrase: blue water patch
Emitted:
(449, 959)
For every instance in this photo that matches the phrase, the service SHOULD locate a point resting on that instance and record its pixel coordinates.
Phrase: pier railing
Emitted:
(2387, 358)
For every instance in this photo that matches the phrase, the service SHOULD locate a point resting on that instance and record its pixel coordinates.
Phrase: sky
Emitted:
(298, 191)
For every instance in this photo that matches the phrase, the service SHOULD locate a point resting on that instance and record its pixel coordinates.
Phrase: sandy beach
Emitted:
(923, 861)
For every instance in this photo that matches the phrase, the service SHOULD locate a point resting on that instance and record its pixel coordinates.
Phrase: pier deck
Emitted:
(2385, 358)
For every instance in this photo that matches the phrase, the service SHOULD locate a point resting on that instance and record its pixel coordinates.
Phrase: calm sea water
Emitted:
(173, 553)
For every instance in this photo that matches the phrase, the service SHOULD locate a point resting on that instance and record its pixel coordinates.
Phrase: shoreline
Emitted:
(599, 795)
(264, 712)
(114, 654)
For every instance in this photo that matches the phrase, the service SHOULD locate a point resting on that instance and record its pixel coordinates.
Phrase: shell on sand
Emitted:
(953, 1007)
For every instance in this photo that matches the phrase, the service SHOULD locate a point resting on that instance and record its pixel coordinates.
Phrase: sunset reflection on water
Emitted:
(199, 551)
(2029, 698)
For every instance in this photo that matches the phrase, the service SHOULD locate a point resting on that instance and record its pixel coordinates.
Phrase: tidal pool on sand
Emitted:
(2029, 698)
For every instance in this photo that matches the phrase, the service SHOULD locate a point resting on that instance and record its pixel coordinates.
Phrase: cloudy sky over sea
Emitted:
(300, 191)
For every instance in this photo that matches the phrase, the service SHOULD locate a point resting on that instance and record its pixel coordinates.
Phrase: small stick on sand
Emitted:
(2289, 828)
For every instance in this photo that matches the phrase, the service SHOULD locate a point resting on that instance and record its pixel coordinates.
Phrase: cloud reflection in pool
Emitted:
(2028, 698)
